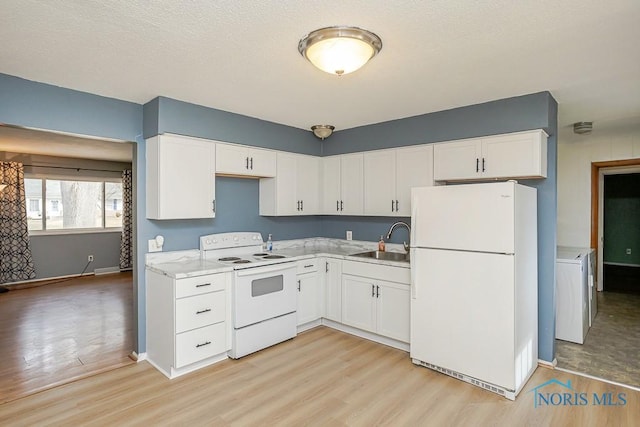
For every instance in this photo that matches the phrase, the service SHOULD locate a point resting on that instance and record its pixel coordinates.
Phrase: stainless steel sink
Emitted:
(387, 256)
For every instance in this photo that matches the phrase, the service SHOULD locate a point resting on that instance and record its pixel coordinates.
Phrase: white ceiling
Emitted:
(29, 141)
(241, 55)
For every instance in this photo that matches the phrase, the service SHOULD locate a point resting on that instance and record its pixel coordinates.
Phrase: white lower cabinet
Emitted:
(333, 289)
(309, 291)
(188, 321)
(374, 304)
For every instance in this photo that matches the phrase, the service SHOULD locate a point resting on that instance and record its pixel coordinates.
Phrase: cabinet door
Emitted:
(309, 300)
(330, 191)
(262, 162)
(457, 160)
(358, 303)
(351, 184)
(180, 177)
(308, 184)
(393, 315)
(514, 155)
(380, 183)
(286, 186)
(232, 159)
(414, 168)
(333, 290)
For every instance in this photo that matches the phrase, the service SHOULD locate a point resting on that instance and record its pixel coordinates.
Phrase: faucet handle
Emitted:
(406, 247)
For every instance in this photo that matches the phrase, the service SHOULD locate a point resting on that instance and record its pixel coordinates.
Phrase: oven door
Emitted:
(262, 293)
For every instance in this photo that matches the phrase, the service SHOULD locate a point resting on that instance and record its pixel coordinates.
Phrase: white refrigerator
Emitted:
(474, 281)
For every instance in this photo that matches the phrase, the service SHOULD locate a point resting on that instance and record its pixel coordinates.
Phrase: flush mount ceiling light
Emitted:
(322, 131)
(340, 50)
(582, 128)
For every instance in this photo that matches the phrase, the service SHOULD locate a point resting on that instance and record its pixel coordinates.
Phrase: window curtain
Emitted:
(16, 260)
(126, 240)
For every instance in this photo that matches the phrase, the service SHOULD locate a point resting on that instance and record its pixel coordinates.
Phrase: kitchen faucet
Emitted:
(393, 227)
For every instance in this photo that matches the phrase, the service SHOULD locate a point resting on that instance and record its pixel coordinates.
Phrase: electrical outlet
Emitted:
(154, 246)
(349, 235)
(628, 251)
(90, 258)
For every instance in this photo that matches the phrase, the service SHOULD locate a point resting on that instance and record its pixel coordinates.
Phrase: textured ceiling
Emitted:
(29, 141)
(241, 55)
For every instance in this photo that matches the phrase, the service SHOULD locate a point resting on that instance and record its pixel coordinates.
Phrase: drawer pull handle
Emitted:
(206, 310)
(307, 266)
(203, 344)
(203, 284)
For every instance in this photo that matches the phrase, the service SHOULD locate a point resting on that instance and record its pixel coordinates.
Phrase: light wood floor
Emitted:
(611, 349)
(322, 377)
(59, 332)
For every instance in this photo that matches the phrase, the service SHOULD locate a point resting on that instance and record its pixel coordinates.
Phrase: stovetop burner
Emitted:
(228, 258)
(242, 261)
(273, 257)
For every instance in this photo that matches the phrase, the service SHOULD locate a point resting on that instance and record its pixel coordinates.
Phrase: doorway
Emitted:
(612, 343)
(66, 325)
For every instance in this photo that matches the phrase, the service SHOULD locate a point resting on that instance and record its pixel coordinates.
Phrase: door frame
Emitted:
(598, 170)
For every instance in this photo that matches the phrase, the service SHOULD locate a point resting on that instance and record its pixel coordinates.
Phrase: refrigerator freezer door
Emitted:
(462, 317)
(473, 217)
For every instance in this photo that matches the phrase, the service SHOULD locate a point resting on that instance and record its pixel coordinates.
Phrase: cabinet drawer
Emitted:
(200, 310)
(200, 284)
(307, 266)
(199, 344)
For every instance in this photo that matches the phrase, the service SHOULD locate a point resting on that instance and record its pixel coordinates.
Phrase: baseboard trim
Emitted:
(138, 357)
(366, 335)
(582, 374)
(548, 365)
(106, 270)
(621, 264)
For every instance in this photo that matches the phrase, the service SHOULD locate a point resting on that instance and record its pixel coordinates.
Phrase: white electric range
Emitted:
(264, 293)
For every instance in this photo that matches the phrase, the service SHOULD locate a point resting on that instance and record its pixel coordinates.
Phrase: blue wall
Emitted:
(31, 104)
(38, 105)
(184, 118)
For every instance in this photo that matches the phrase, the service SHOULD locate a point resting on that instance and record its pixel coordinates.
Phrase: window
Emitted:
(73, 204)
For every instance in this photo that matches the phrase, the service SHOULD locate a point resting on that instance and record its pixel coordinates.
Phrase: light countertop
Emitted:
(183, 264)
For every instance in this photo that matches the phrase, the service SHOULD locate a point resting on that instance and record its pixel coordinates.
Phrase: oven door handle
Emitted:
(255, 271)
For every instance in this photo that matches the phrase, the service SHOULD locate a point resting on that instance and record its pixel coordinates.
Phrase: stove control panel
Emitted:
(229, 240)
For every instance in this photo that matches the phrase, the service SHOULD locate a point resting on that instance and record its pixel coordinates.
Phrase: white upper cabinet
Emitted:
(343, 184)
(180, 177)
(389, 176)
(295, 189)
(240, 160)
(514, 155)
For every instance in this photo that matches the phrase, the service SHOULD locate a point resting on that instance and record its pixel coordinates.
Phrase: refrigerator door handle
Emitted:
(413, 269)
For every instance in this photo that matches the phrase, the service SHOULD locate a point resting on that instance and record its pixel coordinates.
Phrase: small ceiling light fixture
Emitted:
(340, 50)
(322, 131)
(582, 128)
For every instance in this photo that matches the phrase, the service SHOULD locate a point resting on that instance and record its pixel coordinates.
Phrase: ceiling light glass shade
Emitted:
(340, 50)
(322, 131)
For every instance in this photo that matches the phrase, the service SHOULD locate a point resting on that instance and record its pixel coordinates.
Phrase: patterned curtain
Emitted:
(16, 261)
(126, 241)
